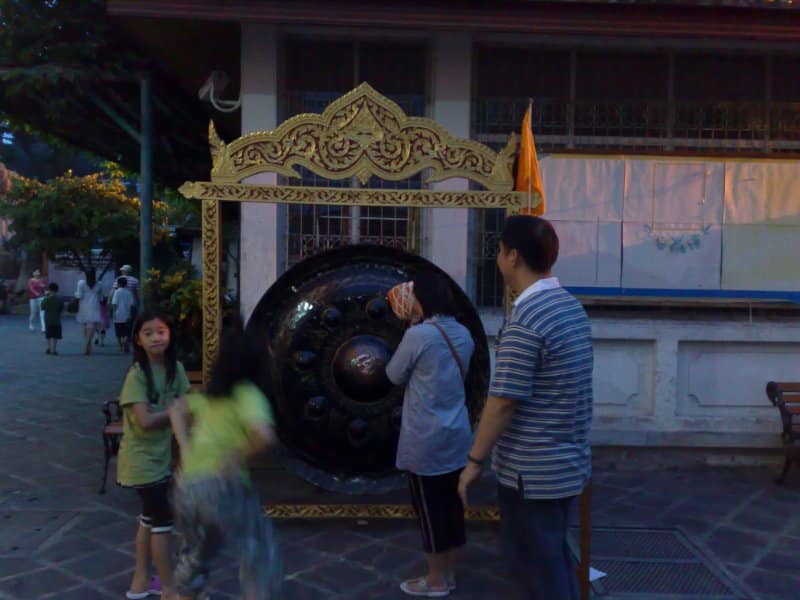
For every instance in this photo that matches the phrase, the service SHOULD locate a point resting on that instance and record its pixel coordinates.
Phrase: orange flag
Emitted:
(528, 178)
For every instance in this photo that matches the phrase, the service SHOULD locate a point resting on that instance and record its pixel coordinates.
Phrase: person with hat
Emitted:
(133, 285)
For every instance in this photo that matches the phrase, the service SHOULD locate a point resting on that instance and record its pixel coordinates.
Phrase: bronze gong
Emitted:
(327, 333)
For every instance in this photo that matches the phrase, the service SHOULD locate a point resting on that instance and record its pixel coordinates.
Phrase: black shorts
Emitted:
(440, 513)
(122, 330)
(156, 508)
(52, 332)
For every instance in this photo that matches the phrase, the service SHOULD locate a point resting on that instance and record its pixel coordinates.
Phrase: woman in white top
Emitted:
(89, 293)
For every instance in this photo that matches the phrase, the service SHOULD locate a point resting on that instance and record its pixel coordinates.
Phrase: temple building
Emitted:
(668, 134)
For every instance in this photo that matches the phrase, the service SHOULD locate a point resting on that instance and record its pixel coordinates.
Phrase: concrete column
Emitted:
(447, 229)
(262, 254)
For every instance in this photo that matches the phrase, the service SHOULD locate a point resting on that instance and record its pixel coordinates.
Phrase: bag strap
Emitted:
(450, 345)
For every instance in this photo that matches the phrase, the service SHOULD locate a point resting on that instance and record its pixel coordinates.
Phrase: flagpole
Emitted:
(530, 159)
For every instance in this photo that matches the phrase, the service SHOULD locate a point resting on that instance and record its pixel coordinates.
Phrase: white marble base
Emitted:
(684, 383)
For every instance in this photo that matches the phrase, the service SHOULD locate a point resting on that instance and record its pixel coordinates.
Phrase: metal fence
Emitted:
(645, 125)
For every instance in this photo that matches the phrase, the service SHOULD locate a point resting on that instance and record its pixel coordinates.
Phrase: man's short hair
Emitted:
(53, 287)
(534, 239)
(122, 282)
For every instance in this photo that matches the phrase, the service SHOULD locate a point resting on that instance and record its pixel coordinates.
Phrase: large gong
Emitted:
(327, 333)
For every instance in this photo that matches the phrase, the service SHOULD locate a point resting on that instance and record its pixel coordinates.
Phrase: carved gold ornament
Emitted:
(211, 220)
(366, 511)
(362, 134)
(241, 192)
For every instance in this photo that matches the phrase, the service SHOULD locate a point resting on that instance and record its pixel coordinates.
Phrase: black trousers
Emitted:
(440, 512)
(534, 538)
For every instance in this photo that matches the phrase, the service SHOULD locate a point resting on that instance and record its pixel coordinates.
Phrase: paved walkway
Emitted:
(60, 539)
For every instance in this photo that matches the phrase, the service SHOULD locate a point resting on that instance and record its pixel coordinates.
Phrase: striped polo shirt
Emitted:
(544, 362)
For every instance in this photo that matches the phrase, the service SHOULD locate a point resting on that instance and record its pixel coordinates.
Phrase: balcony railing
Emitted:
(647, 125)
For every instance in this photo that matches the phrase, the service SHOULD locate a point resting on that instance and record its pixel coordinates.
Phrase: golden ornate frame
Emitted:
(366, 511)
(361, 134)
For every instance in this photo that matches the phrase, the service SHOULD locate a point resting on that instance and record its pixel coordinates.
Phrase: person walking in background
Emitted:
(36, 290)
(52, 307)
(215, 502)
(152, 384)
(538, 413)
(105, 321)
(88, 294)
(435, 433)
(133, 283)
(122, 311)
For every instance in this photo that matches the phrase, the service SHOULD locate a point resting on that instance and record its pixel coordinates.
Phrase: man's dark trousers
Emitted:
(534, 538)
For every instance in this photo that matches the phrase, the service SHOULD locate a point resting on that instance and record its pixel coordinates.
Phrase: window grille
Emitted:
(313, 229)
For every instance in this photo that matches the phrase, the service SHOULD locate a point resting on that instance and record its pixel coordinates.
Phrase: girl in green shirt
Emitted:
(214, 500)
(153, 382)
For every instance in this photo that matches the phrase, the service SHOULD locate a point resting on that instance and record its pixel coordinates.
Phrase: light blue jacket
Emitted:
(435, 435)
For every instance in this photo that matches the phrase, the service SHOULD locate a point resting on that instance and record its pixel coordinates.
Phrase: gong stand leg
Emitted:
(212, 310)
(585, 516)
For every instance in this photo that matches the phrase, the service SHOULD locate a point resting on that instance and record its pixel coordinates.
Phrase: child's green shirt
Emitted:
(145, 456)
(220, 426)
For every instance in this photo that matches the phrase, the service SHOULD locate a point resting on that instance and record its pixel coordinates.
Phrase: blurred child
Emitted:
(153, 382)
(214, 499)
(52, 307)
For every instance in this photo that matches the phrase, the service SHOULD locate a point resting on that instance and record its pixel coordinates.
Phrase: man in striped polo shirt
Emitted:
(538, 413)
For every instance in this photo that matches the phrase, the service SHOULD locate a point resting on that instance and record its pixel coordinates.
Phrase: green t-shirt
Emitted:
(145, 456)
(220, 426)
(52, 306)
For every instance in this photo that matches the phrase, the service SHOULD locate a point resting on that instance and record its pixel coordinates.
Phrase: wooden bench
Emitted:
(786, 397)
(112, 429)
(112, 434)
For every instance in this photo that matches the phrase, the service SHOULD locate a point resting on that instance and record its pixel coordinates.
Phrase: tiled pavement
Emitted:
(60, 539)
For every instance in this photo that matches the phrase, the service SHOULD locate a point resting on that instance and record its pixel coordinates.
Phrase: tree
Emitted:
(38, 156)
(5, 180)
(87, 221)
(68, 70)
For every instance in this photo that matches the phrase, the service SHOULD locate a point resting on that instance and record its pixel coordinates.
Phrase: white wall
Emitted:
(447, 229)
(682, 382)
(67, 278)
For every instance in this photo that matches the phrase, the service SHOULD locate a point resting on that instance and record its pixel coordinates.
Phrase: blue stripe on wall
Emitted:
(612, 292)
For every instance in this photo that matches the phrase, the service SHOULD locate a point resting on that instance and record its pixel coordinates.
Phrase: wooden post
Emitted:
(585, 517)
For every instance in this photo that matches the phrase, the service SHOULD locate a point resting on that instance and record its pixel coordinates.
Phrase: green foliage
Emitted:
(178, 292)
(68, 217)
(180, 211)
(5, 180)
(40, 156)
(54, 42)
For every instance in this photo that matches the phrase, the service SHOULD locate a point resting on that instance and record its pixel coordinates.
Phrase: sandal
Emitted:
(153, 589)
(420, 587)
(141, 595)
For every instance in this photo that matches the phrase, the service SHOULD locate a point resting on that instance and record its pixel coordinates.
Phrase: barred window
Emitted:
(588, 100)
(318, 72)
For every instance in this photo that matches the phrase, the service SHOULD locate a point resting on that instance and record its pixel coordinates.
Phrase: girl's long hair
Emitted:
(140, 356)
(237, 360)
